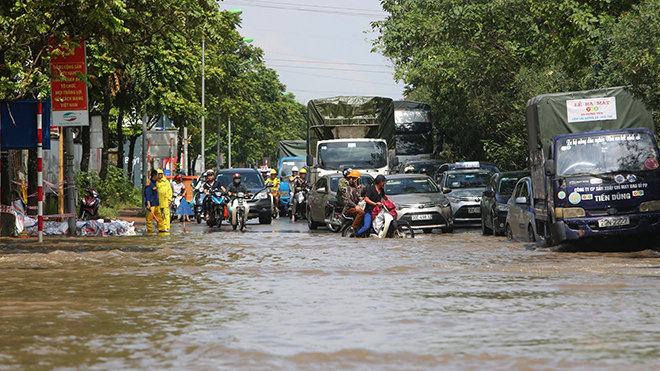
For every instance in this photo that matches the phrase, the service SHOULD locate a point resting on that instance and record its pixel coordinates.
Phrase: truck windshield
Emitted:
(356, 155)
(601, 154)
(287, 165)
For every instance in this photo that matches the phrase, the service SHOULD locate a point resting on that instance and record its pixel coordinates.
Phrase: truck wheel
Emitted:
(265, 218)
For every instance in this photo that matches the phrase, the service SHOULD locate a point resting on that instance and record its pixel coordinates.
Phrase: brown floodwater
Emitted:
(280, 298)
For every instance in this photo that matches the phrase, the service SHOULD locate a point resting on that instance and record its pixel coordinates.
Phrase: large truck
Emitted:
(290, 154)
(414, 131)
(594, 165)
(350, 132)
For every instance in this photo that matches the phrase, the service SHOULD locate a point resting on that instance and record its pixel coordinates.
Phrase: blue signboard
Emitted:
(18, 124)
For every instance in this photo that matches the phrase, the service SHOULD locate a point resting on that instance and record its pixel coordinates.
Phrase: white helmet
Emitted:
(295, 168)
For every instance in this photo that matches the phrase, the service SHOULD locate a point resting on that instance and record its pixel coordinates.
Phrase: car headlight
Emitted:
(261, 195)
(649, 206)
(403, 206)
(502, 207)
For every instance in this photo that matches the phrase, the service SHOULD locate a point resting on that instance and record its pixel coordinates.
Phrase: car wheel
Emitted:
(265, 218)
(530, 234)
(485, 230)
(509, 232)
(311, 224)
(495, 228)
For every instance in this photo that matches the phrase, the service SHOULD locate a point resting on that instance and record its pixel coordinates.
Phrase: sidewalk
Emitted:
(131, 215)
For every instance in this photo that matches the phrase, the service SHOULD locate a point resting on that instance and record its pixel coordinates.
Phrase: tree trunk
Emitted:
(105, 125)
(86, 138)
(120, 139)
(131, 153)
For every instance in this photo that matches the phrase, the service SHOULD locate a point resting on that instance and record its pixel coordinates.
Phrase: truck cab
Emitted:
(284, 172)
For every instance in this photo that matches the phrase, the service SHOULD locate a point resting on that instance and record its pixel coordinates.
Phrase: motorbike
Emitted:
(216, 208)
(300, 198)
(199, 207)
(239, 211)
(268, 185)
(176, 201)
(89, 206)
(387, 225)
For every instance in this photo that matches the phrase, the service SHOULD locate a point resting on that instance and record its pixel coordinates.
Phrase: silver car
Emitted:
(420, 202)
(464, 188)
(521, 220)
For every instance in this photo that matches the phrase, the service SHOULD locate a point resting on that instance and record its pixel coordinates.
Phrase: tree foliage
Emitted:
(478, 62)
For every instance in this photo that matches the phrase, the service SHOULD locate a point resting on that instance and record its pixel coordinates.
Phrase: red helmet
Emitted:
(178, 177)
(237, 175)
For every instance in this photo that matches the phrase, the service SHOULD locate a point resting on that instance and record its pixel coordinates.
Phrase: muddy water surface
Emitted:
(280, 298)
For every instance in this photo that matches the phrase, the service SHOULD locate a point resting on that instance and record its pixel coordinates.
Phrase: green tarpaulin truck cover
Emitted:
(328, 118)
(550, 115)
(291, 148)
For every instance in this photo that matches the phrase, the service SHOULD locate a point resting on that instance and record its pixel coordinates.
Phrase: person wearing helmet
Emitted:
(352, 202)
(236, 187)
(423, 171)
(273, 184)
(341, 188)
(294, 174)
(299, 184)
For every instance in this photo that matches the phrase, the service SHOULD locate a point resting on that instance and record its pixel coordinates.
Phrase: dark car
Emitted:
(322, 194)
(465, 165)
(261, 203)
(415, 166)
(494, 201)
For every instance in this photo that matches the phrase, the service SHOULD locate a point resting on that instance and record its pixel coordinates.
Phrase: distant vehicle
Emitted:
(284, 171)
(464, 189)
(261, 203)
(420, 202)
(430, 165)
(521, 220)
(465, 165)
(414, 131)
(322, 201)
(494, 201)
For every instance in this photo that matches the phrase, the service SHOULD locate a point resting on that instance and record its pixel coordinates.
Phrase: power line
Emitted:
(327, 68)
(337, 78)
(315, 8)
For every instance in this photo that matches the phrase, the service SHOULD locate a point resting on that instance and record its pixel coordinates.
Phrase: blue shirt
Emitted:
(151, 193)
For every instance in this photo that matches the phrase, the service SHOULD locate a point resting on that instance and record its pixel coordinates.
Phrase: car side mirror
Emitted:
(550, 167)
(322, 190)
(310, 160)
(446, 190)
(522, 200)
(489, 193)
(394, 162)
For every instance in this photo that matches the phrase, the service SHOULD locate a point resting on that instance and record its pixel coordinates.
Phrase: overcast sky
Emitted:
(319, 48)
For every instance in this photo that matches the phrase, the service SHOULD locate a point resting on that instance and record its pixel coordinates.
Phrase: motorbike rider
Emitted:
(374, 197)
(206, 187)
(352, 200)
(341, 188)
(274, 189)
(300, 183)
(294, 174)
(179, 189)
(233, 190)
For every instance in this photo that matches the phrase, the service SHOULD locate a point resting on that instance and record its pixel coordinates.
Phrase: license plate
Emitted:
(612, 222)
(474, 210)
(284, 193)
(421, 217)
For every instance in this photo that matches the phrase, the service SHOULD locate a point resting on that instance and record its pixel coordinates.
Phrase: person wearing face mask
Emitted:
(236, 187)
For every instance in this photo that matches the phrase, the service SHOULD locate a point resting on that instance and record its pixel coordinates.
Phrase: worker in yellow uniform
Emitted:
(150, 194)
(164, 201)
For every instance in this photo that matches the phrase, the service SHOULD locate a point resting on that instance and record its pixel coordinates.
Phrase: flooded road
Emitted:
(280, 298)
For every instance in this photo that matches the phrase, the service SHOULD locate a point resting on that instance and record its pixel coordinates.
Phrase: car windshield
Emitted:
(360, 155)
(334, 182)
(287, 165)
(601, 154)
(430, 166)
(399, 186)
(250, 179)
(467, 179)
(506, 185)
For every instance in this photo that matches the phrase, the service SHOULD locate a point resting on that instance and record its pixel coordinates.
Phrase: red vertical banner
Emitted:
(68, 91)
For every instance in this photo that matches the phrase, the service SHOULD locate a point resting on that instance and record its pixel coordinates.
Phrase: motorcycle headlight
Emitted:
(502, 207)
(261, 195)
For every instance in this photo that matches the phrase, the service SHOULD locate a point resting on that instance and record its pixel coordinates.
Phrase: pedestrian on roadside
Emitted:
(179, 189)
(151, 201)
(164, 200)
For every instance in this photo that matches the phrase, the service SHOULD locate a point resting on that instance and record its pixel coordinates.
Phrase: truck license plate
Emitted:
(474, 210)
(611, 222)
(421, 217)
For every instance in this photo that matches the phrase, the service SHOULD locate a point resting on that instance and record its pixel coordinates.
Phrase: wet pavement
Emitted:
(279, 297)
